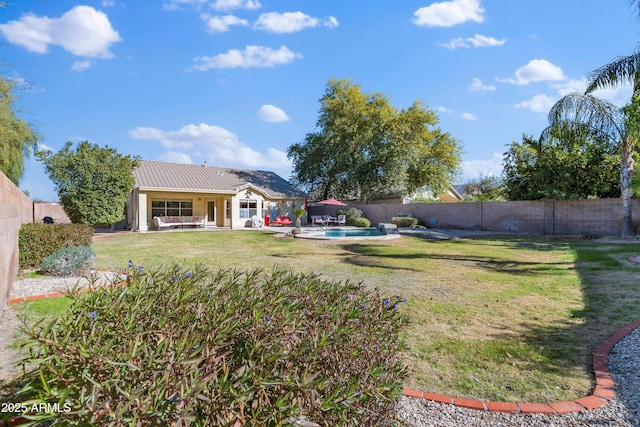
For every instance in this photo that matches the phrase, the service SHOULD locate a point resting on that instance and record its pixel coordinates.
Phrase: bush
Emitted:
(226, 349)
(405, 221)
(351, 214)
(69, 261)
(37, 241)
(362, 222)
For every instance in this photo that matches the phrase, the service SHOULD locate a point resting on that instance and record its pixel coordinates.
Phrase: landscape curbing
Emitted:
(602, 393)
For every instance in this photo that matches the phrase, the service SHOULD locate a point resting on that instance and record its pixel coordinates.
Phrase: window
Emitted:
(248, 208)
(171, 208)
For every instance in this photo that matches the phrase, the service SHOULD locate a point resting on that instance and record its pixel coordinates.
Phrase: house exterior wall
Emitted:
(15, 209)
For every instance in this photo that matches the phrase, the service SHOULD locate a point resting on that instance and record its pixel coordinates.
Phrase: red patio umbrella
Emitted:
(332, 201)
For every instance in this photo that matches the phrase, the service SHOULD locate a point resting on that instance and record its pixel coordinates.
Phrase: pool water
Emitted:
(348, 232)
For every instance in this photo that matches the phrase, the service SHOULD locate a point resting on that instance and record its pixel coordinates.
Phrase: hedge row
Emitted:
(38, 241)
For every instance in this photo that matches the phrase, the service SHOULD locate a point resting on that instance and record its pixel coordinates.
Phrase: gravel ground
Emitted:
(622, 411)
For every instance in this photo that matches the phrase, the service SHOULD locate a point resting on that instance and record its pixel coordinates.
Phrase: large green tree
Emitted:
(364, 146)
(92, 182)
(567, 167)
(17, 138)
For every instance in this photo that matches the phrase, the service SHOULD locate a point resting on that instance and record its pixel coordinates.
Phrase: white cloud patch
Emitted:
(216, 145)
(236, 4)
(108, 3)
(81, 65)
(477, 84)
(82, 31)
(175, 157)
(291, 22)
(271, 113)
(221, 24)
(449, 13)
(539, 103)
(473, 169)
(250, 57)
(444, 109)
(468, 116)
(537, 70)
(475, 41)
(175, 4)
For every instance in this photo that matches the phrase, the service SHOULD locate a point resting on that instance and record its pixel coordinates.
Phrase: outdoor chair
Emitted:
(317, 220)
(342, 220)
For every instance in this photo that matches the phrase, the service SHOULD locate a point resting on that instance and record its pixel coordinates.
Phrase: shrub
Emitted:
(362, 222)
(351, 214)
(37, 241)
(405, 221)
(69, 261)
(226, 349)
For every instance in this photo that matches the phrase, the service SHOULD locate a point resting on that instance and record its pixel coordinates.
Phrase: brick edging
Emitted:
(602, 393)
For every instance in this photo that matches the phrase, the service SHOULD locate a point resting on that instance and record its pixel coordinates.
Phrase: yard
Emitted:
(493, 318)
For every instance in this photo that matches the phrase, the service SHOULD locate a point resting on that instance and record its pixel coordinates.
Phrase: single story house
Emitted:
(222, 197)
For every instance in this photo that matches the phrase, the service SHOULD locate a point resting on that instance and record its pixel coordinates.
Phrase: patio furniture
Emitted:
(178, 221)
(282, 220)
(328, 219)
(342, 220)
(317, 220)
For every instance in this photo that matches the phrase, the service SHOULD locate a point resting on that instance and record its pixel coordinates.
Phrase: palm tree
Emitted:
(589, 115)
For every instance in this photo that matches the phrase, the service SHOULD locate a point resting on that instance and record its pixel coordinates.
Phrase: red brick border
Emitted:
(601, 395)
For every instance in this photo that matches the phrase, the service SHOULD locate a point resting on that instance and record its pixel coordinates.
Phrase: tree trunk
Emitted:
(626, 171)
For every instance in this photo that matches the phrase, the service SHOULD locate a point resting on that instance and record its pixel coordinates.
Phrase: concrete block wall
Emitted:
(54, 210)
(15, 209)
(598, 216)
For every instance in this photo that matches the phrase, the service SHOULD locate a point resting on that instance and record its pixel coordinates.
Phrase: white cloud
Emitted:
(175, 4)
(82, 31)
(468, 117)
(251, 56)
(539, 103)
(271, 113)
(108, 3)
(175, 157)
(475, 41)
(221, 24)
(216, 145)
(236, 4)
(472, 169)
(537, 70)
(477, 84)
(444, 109)
(290, 22)
(449, 13)
(81, 65)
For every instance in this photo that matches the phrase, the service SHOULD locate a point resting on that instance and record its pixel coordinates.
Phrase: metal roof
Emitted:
(162, 176)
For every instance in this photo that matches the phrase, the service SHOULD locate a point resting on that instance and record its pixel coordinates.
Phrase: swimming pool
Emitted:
(353, 232)
(369, 233)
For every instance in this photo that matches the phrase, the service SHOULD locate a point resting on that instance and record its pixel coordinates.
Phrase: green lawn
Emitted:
(493, 318)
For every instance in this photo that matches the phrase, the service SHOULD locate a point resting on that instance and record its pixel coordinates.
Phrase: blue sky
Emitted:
(236, 82)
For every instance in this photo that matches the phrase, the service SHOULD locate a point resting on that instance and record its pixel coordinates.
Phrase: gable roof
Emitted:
(153, 175)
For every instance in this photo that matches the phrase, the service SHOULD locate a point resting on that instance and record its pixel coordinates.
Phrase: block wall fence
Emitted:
(572, 218)
(15, 209)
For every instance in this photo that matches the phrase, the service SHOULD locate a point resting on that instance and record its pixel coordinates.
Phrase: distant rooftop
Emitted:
(153, 175)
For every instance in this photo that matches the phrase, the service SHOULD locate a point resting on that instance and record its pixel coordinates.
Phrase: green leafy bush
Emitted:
(362, 222)
(178, 347)
(405, 221)
(351, 214)
(69, 261)
(37, 241)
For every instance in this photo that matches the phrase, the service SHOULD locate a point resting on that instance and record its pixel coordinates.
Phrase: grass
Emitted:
(494, 318)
